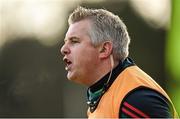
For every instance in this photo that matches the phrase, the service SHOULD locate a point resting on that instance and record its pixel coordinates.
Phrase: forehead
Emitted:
(79, 28)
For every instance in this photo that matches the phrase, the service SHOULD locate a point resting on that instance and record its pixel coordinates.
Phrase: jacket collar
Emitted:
(95, 91)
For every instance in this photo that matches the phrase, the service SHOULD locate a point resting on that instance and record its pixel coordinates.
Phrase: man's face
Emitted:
(80, 56)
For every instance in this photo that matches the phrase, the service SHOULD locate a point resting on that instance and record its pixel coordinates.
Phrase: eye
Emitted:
(74, 40)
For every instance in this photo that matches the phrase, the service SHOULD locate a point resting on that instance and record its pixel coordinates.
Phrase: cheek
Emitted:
(85, 57)
(88, 61)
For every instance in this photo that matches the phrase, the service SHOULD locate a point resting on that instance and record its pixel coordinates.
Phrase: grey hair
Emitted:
(105, 27)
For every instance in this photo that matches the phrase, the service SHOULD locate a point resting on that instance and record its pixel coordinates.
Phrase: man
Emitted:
(96, 55)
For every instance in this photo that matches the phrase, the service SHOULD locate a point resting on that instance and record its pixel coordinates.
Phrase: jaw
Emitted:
(73, 76)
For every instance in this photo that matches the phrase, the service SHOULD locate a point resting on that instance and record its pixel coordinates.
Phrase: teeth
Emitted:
(68, 62)
(67, 67)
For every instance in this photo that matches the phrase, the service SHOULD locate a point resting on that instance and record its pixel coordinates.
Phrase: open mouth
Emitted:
(68, 63)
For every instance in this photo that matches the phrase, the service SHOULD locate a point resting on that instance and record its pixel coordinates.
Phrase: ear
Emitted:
(105, 49)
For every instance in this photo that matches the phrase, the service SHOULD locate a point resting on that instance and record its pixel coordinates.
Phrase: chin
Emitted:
(71, 78)
(76, 80)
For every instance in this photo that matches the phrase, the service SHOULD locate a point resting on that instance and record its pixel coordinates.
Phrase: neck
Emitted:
(102, 70)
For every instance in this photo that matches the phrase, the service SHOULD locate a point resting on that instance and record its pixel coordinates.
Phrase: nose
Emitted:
(64, 49)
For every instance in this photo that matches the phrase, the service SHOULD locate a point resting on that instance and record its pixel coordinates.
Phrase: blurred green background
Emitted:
(33, 81)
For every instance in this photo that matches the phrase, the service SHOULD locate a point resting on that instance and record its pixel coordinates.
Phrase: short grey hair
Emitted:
(105, 27)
